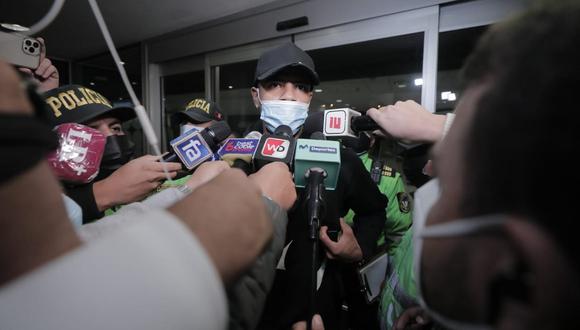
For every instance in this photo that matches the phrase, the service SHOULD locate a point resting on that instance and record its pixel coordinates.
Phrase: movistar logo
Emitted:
(303, 146)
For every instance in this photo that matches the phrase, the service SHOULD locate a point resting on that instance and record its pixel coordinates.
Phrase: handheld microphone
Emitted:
(79, 155)
(239, 152)
(277, 147)
(347, 122)
(363, 124)
(317, 152)
(194, 148)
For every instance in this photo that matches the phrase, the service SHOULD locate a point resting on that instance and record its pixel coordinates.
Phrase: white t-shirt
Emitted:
(152, 274)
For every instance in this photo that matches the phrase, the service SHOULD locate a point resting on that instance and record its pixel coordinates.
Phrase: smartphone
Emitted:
(19, 50)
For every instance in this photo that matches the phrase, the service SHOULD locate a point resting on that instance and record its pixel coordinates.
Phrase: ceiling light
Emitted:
(122, 63)
(452, 97)
(339, 101)
(419, 82)
(318, 90)
(445, 95)
(92, 83)
(230, 87)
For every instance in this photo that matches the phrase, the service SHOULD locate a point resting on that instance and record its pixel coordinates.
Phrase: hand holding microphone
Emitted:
(205, 173)
(195, 147)
(409, 121)
(132, 181)
(275, 182)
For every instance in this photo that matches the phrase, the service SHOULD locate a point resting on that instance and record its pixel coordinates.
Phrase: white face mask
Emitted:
(425, 198)
(277, 112)
(187, 127)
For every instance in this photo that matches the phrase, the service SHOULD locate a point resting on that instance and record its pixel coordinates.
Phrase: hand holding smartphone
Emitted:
(20, 50)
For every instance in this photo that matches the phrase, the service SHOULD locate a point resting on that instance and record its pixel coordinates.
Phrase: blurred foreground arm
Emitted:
(410, 121)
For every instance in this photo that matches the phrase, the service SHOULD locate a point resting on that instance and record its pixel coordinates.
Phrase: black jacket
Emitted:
(288, 301)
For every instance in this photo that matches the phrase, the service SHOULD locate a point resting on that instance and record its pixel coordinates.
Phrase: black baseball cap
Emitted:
(78, 104)
(282, 57)
(200, 111)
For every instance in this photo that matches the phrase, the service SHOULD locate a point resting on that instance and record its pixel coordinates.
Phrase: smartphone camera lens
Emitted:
(35, 45)
(27, 42)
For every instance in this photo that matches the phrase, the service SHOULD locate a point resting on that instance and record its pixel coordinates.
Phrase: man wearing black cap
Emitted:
(282, 90)
(120, 180)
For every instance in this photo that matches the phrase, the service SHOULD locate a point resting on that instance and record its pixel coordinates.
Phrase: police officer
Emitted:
(120, 180)
(283, 89)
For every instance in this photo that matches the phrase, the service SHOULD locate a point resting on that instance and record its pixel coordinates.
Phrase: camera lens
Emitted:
(27, 42)
(35, 45)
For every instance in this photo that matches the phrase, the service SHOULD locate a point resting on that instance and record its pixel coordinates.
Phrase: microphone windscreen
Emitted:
(254, 135)
(317, 136)
(314, 123)
(221, 130)
(284, 130)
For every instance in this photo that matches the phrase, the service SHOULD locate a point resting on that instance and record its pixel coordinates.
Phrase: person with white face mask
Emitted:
(491, 249)
(283, 89)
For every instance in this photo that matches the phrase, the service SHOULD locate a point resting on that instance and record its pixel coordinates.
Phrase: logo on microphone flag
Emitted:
(275, 148)
(335, 121)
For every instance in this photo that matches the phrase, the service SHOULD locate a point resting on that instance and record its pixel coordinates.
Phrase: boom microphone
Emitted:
(347, 122)
(194, 148)
(79, 155)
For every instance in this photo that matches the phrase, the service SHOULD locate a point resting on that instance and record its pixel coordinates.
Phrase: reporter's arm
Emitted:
(229, 218)
(131, 182)
(246, 298)
(409, 121)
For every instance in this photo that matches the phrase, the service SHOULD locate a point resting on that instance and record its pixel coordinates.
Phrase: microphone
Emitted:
(79, 155)
(277, 147)
(347, 122)
(195, 147)
(363, 124)
(239, 152)
(317, 152)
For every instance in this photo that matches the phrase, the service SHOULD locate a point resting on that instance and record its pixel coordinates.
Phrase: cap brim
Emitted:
(196, 117)
(313, 75)
(121, 113)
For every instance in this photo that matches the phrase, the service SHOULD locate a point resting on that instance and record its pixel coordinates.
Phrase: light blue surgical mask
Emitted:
(425, 198)
(278, 112)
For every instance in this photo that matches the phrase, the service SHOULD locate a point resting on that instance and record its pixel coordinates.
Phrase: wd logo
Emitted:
(335, 122)
(276, 148)
(192, 150)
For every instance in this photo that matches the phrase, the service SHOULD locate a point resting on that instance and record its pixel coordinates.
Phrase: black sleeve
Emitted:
(364, 198)
(84, 196)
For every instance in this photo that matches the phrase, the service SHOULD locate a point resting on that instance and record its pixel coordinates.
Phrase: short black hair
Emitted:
(518, 152)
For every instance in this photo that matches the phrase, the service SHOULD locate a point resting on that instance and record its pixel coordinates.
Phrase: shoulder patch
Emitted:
(404, 202)
(388, 171)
